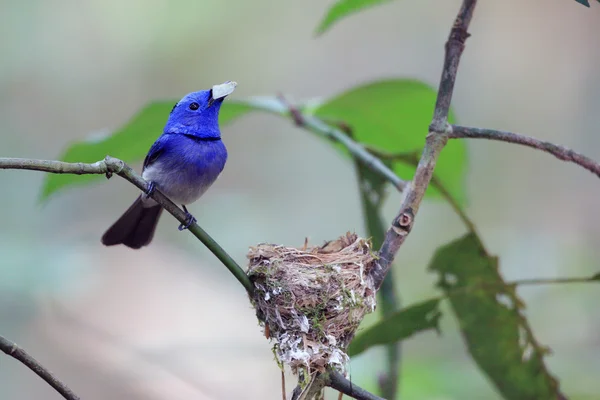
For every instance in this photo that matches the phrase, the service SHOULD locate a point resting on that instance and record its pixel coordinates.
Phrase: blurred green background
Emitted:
(169, 322)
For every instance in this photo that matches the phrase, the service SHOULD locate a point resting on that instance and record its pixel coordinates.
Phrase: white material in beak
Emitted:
(224, 89)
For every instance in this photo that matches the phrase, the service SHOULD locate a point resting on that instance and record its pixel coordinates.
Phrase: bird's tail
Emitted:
(136, 226)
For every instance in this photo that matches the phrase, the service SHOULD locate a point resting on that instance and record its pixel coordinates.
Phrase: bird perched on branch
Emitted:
(183, 163)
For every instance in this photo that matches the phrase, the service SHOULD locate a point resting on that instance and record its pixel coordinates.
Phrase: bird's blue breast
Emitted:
(185, 166)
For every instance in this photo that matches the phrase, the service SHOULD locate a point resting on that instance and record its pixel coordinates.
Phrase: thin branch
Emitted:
(337, 135)
(110, 166)
(520, 282)
(553, 281)
(338, 382)
(560, 152)
(435, 142)
(413, 159)
(16, 352)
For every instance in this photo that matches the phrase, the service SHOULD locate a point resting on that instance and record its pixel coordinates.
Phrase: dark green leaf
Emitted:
(595, 277)
(393, 116)
(344, 8)
(491, 320)
(584, 2)
(398, 326)
(130, 143)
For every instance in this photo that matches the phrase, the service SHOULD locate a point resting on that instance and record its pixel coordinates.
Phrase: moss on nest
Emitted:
(312, 300)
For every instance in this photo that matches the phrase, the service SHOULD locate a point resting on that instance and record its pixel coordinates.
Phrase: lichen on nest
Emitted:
(311, 300)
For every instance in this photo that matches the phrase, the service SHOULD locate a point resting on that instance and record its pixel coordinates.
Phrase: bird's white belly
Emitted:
(180, 191)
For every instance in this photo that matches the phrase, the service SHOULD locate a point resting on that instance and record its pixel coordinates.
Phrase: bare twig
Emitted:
(14, 351)
(560, 152)
(110, 166)
(435, 142)
(356, 149)
(338, 382)
(553, 281)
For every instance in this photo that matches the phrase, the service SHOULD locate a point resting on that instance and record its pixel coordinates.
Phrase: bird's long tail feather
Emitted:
(135, 228)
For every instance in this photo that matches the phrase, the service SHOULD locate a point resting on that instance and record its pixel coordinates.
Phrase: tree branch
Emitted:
(337, 135)
(435, 142)
(560, 152)
(110, 166)
(16, 352)
(553, 281)
(338, 382)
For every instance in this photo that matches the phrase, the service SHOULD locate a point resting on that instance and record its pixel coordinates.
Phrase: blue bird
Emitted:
(183, 163)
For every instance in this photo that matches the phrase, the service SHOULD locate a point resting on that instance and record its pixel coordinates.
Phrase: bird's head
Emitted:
(197, 113)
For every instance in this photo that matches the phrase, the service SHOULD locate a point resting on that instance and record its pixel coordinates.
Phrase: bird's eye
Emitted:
(194, 106)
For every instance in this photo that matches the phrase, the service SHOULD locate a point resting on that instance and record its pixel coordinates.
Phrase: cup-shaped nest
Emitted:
(311, 300)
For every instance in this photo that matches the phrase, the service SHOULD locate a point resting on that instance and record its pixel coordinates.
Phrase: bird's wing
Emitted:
(155, 151)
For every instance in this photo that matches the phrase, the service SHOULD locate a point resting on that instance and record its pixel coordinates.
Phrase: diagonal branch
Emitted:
(16, 352)
(110, 166)
(560, 152)
(357, 150)
(435, 142)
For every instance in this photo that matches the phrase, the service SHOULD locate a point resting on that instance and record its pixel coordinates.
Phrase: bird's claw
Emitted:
(151, 188)
(189, 220)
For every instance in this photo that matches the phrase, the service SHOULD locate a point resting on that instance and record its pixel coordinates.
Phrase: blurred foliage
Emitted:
(491, 319)
(398, 326)
(343, 8)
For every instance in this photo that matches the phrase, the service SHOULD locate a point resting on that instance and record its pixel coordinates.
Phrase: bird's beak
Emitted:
(223, 90)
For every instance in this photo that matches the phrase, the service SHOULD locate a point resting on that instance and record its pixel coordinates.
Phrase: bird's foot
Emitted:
(189, 220)
(151, 188)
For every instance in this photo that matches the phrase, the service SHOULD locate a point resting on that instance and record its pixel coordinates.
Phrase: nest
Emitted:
(311, 300)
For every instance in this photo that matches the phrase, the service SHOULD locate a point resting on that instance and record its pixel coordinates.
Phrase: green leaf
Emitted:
(398, 326)
(130, 143)
(393, 116)
(343, 8)
(490, 317)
